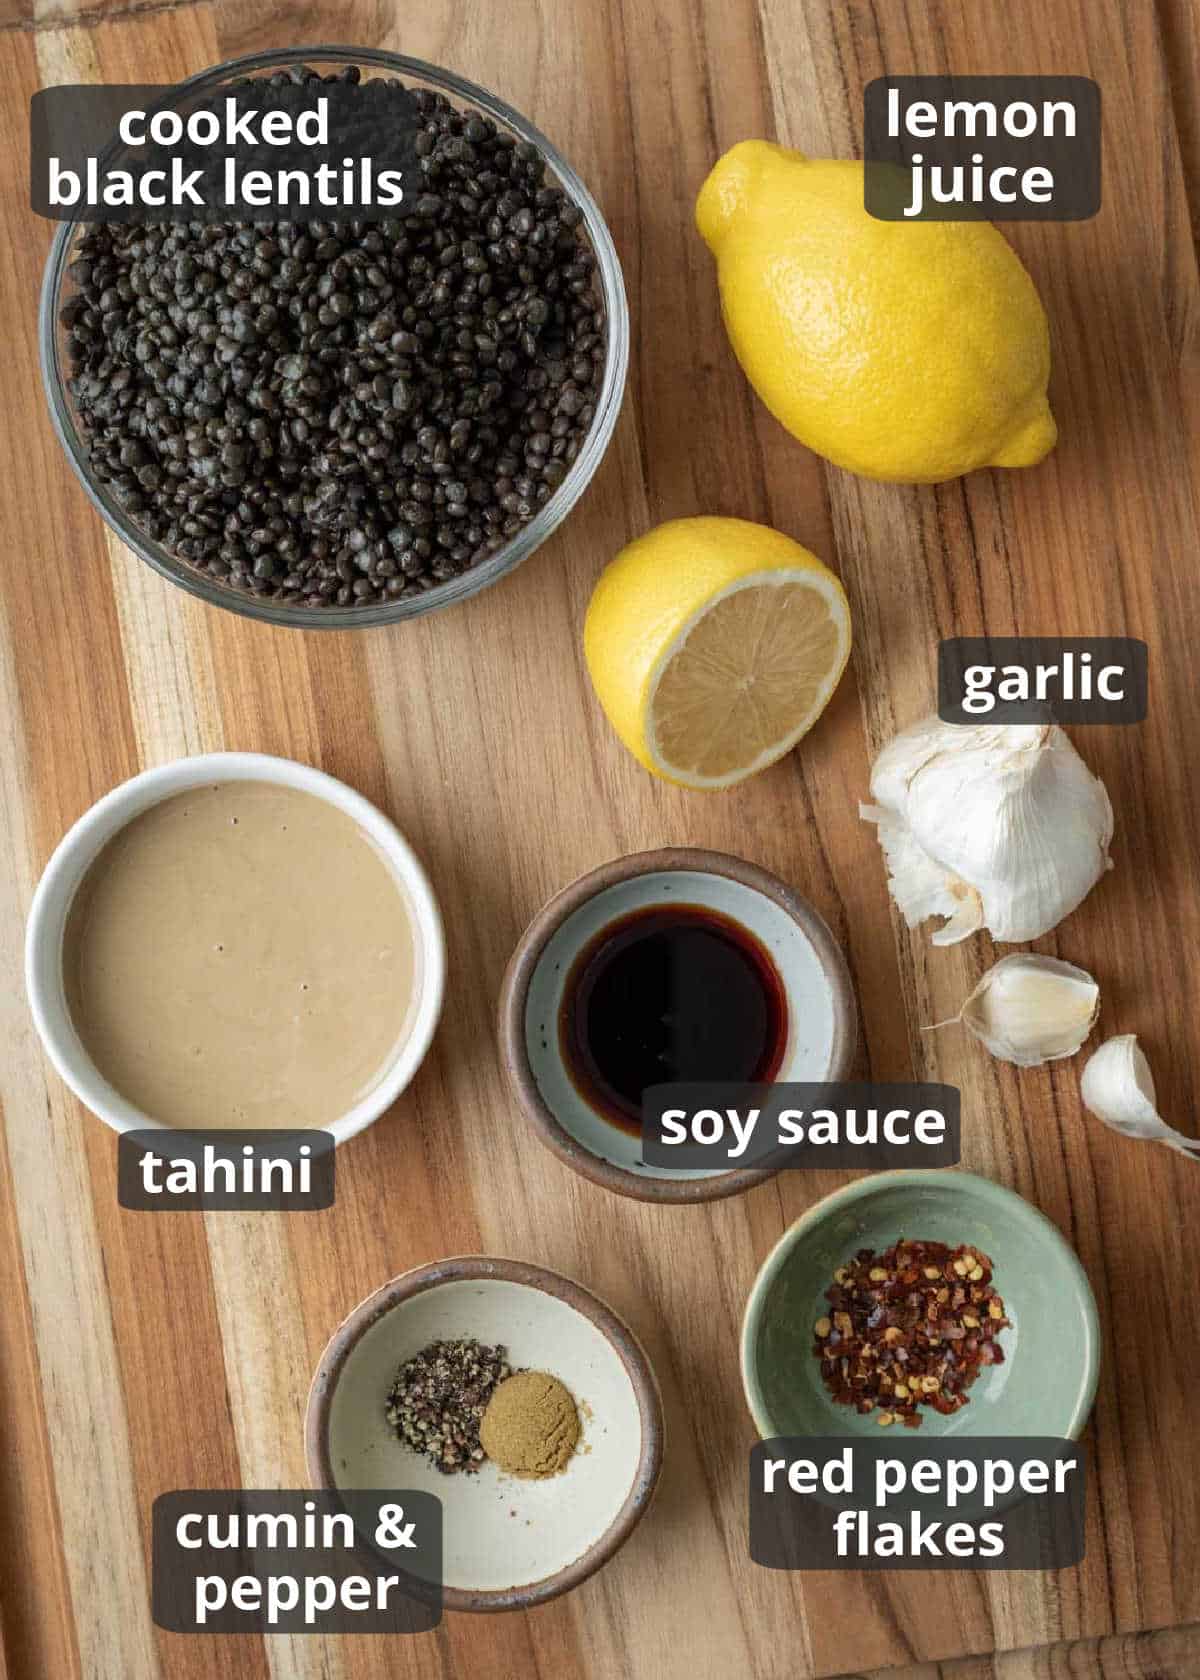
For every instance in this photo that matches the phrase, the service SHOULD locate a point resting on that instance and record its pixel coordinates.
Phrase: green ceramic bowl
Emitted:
(1052, 1352)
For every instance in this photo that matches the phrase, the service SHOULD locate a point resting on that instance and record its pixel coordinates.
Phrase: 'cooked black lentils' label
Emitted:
(292, 144)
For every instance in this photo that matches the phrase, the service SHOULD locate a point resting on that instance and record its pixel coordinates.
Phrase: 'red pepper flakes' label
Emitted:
(895, 1502)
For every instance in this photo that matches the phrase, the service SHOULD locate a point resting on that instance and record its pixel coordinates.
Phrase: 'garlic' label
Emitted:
(1042, 679)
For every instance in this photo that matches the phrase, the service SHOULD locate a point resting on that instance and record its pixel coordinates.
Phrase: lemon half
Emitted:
(714, 645)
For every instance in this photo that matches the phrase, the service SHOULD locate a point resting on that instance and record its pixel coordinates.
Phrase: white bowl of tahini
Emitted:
(235, 940)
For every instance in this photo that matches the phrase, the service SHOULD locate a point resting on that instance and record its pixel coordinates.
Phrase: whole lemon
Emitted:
(911, 351)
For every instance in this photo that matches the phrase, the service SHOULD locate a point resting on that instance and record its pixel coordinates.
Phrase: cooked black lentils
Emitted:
(344, 413)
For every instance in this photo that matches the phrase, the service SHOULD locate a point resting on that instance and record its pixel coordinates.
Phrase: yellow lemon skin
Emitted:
(656, 586)
(912, 352)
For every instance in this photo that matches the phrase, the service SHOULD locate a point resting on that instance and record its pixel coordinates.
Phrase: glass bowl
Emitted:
(57, 289)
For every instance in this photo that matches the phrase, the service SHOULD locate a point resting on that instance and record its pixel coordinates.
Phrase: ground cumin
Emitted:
(530, 1427)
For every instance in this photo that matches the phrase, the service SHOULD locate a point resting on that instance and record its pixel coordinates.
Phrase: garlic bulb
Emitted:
(1118, 1087)
(997, 826)
(1030, 1009)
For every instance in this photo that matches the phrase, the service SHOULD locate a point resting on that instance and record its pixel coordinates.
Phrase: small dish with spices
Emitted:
(921, 1299)
(423, 1357)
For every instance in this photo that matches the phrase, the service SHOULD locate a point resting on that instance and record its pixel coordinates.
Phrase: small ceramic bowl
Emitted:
(1052, 1352)
(82, 844)
(508, 1543)
(821, 1026)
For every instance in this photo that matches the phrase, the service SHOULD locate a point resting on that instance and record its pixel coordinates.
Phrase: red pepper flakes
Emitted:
(911, 1327)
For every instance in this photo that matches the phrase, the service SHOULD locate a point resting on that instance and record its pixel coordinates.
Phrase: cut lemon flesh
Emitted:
(713, 645)
(747, 678)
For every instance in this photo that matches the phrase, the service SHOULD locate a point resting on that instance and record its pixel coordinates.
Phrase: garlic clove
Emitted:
(1029, 1009)
(1000, 826)
(1118, 1087)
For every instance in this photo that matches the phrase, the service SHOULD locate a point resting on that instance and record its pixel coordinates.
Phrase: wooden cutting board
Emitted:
(139, 1354)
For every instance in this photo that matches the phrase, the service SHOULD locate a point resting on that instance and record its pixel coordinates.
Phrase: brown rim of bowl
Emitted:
(514, 993)
(629, 1350)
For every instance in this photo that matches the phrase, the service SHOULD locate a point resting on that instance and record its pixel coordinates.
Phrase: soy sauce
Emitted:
(670, 992)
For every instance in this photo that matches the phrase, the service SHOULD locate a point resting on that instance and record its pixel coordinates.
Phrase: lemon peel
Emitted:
(912, 352)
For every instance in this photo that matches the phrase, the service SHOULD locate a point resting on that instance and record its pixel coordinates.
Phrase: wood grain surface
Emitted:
(138, 1353)
(1159, 1654)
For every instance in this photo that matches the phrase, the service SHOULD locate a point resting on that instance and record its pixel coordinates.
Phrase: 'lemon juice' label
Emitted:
(982, 148)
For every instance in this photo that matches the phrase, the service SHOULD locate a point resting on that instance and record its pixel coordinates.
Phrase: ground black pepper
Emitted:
(344, 413)
(438, 1399)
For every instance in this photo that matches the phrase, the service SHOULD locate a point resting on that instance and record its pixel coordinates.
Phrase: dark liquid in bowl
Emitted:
(671, 992)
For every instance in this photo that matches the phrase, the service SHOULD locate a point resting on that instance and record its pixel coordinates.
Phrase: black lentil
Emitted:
(344, 413)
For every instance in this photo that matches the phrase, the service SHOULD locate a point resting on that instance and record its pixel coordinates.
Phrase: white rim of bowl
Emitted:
(82, 844)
